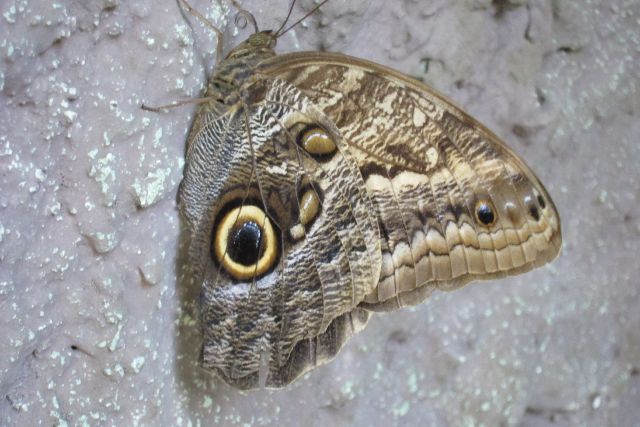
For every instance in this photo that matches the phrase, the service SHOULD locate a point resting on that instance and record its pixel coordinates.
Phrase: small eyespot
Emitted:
(533, 211)
(309, 207)
(532, 207)
(485, 213)
(245, 242)
(541, 201)
(317, 142)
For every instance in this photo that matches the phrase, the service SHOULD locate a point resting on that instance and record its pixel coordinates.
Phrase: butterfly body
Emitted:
(319, 187)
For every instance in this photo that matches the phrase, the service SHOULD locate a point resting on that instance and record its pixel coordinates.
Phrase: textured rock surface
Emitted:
(95, 327)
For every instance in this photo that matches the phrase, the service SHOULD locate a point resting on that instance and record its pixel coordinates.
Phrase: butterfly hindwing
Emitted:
(299, 310)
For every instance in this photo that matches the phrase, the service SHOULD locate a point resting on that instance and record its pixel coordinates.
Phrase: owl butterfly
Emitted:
(319, 188)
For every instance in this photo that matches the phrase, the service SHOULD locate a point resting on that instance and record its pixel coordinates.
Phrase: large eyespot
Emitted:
(245, 242)
(485, 213)
(317, 142)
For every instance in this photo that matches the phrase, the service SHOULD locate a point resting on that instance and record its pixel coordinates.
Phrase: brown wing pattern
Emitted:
(454, 204)
(325, 259)
(319, 187)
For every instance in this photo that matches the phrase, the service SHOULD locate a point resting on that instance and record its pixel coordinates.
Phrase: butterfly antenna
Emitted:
(293, 3)
(278, 34)
(244, 13)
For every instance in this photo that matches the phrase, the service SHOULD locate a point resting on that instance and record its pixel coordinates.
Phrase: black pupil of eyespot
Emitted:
(485, 214)
(541, 201)
(245, 244)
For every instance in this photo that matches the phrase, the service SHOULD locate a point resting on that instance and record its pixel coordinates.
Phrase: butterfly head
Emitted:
(265, 40)
(258, 42)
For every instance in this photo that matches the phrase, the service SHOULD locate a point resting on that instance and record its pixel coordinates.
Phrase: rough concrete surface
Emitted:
(95, 326)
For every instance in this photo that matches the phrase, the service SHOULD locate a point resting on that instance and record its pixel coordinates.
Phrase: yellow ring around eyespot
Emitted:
(492, 210)
(316, 141)
(231, 220)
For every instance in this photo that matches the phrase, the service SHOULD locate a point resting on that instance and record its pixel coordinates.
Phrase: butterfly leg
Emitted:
(162, 108)
(205, 21)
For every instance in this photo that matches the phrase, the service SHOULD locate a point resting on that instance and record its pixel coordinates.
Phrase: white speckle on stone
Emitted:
(113, 317)
(106, 139)
(89, 206)
(347, 390)
(40, 175)
(412, 383)
(137, 364)
(116, 339)
(17, 402)
(103, 172)
(401, 409)
(157, 138)
(596, 402)
(602, 197)
(116, 371)
(150, 190)
(208, 401)
(54, 209)
(102, 242)
(10, 14)
(184, 36)
(60, 421)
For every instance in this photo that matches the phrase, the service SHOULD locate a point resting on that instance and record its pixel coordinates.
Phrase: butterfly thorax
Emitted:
(237, 69)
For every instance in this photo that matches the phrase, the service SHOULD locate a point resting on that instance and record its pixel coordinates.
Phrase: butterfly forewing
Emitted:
(431, 171)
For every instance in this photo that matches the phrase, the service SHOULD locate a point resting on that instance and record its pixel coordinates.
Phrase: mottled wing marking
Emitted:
(413, 195)
(302, 313)
(426, 164)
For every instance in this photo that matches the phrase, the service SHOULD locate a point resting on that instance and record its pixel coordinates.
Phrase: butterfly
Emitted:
(320, 188)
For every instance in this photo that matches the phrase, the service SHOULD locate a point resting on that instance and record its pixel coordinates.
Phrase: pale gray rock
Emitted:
(98, 325)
